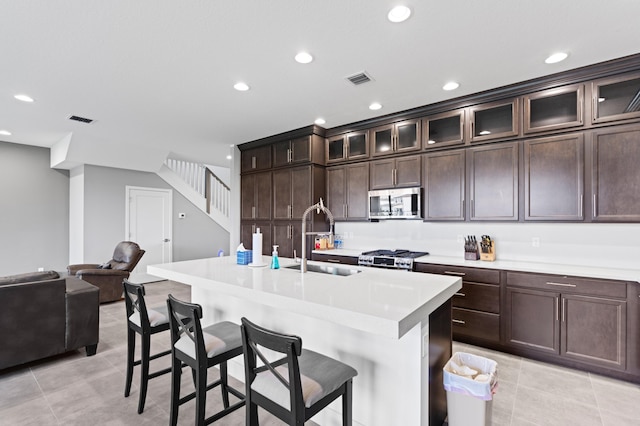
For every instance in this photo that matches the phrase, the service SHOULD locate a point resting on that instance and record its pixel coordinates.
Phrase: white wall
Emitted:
(598, 244)
(76, 215)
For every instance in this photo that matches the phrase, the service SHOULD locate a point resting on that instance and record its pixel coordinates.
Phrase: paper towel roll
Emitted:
(257, 247)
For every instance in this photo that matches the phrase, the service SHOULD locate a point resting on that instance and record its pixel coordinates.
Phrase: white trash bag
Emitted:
(471, 375)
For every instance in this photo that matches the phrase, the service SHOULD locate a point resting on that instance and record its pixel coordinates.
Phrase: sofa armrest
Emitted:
(82, 314)
(101, 272)
(73, 269)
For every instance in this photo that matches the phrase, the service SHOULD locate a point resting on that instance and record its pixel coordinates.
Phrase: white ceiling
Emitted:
(158, 75)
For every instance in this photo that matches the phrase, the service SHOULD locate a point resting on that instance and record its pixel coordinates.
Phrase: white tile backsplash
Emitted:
(591, 244)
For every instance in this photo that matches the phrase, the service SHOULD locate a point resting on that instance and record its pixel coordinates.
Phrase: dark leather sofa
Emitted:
(42, 315)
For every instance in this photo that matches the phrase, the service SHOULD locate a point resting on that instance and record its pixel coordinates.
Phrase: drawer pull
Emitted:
(333, 260)
(457, 321)
(560, 284)
(460, 294)
(460, 274)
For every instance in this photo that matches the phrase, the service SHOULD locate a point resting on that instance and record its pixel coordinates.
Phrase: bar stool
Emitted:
(200, 349)
(145, 322)
(295, 387)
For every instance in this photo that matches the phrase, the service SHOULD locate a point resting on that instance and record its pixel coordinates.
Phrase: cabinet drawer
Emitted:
(481, 297)
(480, 325)
(347, 260)
(566, 284)
(489, 276)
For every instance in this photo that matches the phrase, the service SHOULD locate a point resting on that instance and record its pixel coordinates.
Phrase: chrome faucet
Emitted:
(318, 207)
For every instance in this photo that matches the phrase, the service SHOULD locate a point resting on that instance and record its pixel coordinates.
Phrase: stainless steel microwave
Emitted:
(401, 203)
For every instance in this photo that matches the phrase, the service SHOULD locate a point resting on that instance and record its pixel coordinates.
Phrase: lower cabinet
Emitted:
(247, 229)
(577, 319)
(475, 316)
(288, 237)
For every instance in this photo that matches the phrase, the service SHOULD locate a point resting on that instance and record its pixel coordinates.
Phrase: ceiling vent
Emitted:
(360, 78)
(81, 119)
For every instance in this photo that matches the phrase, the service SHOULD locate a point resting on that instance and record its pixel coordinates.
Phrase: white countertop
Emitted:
(522, 266)
(382, 302)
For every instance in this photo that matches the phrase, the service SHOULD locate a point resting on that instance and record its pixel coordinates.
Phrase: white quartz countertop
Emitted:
(383, 302)
(523, 266)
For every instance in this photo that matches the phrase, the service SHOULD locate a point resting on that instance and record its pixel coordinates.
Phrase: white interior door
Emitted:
(149, 213)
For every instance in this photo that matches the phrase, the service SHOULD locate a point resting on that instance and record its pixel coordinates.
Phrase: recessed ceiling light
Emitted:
(5, 133)
(399, 14)
(320, 121)
(304, 58)
(241, 87)
(375, 106)
(24, 98)
(556, 57)
(452, 85)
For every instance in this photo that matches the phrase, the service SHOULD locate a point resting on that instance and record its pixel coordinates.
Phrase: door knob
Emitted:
(166, 240)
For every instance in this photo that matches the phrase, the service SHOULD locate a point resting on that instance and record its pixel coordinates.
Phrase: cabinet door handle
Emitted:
(473, 208)
(563, 307)
(460, 294)
(289, 211)
(457, 321)
(345, 208)
(560, 284)
(555, 304)
(253, 229)
(253, 162)
(459, 274)
(290, 155)
(581, 205)
(253, 212)
(595, 211)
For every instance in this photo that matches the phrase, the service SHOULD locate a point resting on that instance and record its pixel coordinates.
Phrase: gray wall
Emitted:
(34, 211)
(196, 236)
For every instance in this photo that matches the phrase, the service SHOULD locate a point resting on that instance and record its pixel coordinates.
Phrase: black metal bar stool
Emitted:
(295, 387)
(144, 321)
(200, 349)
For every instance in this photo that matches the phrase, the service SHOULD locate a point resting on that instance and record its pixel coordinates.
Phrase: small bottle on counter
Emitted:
(275, 263)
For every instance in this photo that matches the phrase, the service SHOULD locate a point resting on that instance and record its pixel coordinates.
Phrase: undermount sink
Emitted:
(326, 269)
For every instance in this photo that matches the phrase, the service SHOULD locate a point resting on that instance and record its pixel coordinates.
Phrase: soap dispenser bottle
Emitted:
(275, 263)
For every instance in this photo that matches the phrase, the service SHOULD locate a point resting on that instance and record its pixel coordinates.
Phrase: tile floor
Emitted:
(73, 389)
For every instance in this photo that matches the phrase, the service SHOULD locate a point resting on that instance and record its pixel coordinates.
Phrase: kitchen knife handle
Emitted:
(459, 274)
(457, 321)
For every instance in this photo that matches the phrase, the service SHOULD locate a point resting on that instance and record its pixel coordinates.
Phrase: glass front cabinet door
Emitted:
(398, 137)
(443, 129)
(616, 98)
(494, 121)
(553, 109)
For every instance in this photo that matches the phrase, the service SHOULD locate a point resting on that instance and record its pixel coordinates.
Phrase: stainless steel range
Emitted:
(397, 259)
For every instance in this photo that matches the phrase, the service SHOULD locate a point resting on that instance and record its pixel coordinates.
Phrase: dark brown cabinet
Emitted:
(288, 237)
(493, 182)
(493, 121)
(615, 178)
(444, 186)
(354, 145)
(256, 196)
(554, 178)
(578, 319)
(291, 194)
(347, 188)
(256, 159)
(475, 315)
(299, 150)
(554, 109)
(398, 137)
(444, 129)
(616, 98)
(395, 172)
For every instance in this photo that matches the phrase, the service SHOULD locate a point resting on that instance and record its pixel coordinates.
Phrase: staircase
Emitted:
(201, 186)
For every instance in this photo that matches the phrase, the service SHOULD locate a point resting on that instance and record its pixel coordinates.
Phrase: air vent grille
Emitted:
(360, 78)
(81, 119)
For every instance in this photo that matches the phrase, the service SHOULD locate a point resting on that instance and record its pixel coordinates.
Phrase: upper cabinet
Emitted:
(493, 182)
(553, 109)
(615, 178)
(493, 121)
(616, 98)
(554, 178)
(255, 159)
(444, 185)
(443, 129)
(301, 150)
(351, 146)
(347, 187)
(397, 137)
(395, 172)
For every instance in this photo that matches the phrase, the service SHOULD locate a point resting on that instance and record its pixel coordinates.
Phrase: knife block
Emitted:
(491, 256)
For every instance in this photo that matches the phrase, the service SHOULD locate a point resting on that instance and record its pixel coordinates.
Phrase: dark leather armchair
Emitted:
(108, 276)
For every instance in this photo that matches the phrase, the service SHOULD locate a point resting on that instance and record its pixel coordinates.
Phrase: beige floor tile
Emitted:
(548, 409)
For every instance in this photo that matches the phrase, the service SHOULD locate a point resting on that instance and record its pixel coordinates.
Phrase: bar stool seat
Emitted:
(199, 348)
(296, 386)
(145, 322)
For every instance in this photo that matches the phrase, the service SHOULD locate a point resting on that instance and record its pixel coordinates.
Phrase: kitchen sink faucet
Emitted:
(318, 207)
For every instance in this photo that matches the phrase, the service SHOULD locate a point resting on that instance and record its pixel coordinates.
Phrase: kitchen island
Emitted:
(391, 326)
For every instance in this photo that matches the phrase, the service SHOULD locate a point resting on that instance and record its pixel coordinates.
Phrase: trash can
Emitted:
(470, 382)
